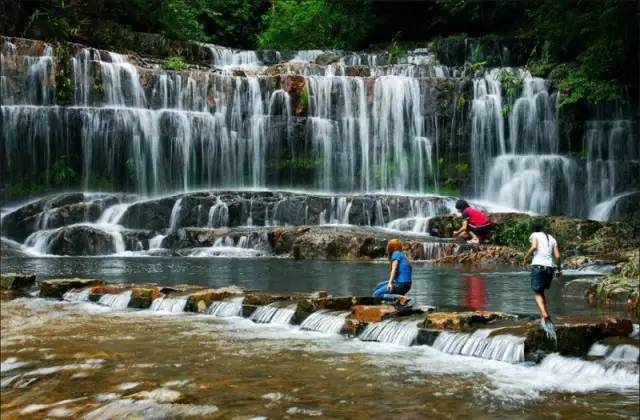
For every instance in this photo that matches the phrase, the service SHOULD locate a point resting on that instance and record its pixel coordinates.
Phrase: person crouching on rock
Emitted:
(475, 223)
(543, 247)
(399, 281)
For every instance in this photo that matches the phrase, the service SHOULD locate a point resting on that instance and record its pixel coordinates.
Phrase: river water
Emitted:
(501, 289)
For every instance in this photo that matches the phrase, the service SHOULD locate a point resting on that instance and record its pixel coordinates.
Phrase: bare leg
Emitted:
(542, 305)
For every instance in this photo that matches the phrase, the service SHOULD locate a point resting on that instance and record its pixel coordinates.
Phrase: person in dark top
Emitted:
(399, 281)
(475, 223)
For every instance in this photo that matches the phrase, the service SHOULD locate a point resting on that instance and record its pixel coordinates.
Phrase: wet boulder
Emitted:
(25, 220)
(579, 287)
(16, 284)
(575, 335)
(56, 288)
(143, 297)
(193, 237)
(151, 214)
(338, 244)
(464, 321)
(81, 240)
(373, 313)
(327, 58)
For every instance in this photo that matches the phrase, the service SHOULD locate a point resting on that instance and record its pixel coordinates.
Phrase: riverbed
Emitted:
(84, 359)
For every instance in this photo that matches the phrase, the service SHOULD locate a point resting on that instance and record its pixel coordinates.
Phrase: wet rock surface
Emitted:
(464, 321)
(55, 288)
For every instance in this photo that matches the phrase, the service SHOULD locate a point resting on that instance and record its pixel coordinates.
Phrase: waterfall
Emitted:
(325, 321)
(273, 314)
(402, 333)
(226, 57)
(505, 348)
(175, 214)
(523, 171)
(113, 214)
(77, 295)
(226, 308)
(611, 156)
(218, 214)
(116, 301)
(166, 304)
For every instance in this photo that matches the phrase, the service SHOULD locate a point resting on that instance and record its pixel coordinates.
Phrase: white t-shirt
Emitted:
(544, 251)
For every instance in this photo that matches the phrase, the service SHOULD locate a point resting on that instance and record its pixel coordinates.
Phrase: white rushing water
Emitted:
(77, 295)
(391, 331)
(273, 313)
(325, 321)
(505, 348)
(116, 301)
(167, 304)
(226, 308)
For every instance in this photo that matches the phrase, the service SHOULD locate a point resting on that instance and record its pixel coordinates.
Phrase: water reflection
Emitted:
(475, 296)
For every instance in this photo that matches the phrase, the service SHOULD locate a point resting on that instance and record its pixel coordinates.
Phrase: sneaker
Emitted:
(473, 241)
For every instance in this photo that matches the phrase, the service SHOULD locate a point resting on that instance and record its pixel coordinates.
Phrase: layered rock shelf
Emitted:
(354, 316)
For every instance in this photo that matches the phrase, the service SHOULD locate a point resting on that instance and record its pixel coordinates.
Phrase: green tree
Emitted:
(306, 24)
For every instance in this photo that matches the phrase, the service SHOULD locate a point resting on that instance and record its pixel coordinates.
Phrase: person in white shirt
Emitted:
(543, 247)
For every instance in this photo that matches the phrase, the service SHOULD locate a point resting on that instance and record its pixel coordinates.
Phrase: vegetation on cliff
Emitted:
(589, 50)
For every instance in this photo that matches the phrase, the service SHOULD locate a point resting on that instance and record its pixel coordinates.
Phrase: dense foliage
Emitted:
(517, 234)
(588, 49)
(315, 24)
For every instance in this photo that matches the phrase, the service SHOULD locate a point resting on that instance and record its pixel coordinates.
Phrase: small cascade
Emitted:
(402, 333)
(218, 215)
(116, 301)
(604, 210)
(113, 214)
(175, 214)
(226, 57)
(505, 348)
(583, 370)
(38, 242)
(619, 353)
(166, 304)
(325, 321)
(435, 250)
(226, 308)
(77, 295)
(156, 241)
(273, 314)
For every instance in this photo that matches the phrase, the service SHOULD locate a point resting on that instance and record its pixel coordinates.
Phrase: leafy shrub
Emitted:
(62, 173)
(175, 63)
(516, 234)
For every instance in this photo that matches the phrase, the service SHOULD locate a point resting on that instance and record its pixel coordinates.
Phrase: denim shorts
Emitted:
(541, 278)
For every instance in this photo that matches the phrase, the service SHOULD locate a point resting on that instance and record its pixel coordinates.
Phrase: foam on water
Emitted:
(394, 332)
(325, 321)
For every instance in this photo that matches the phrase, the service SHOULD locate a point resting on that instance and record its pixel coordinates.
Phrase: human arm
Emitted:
(465, 225)
(392, 275)
(556, 254)
(532, 248)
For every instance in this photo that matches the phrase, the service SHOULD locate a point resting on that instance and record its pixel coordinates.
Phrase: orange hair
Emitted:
(393, 246)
